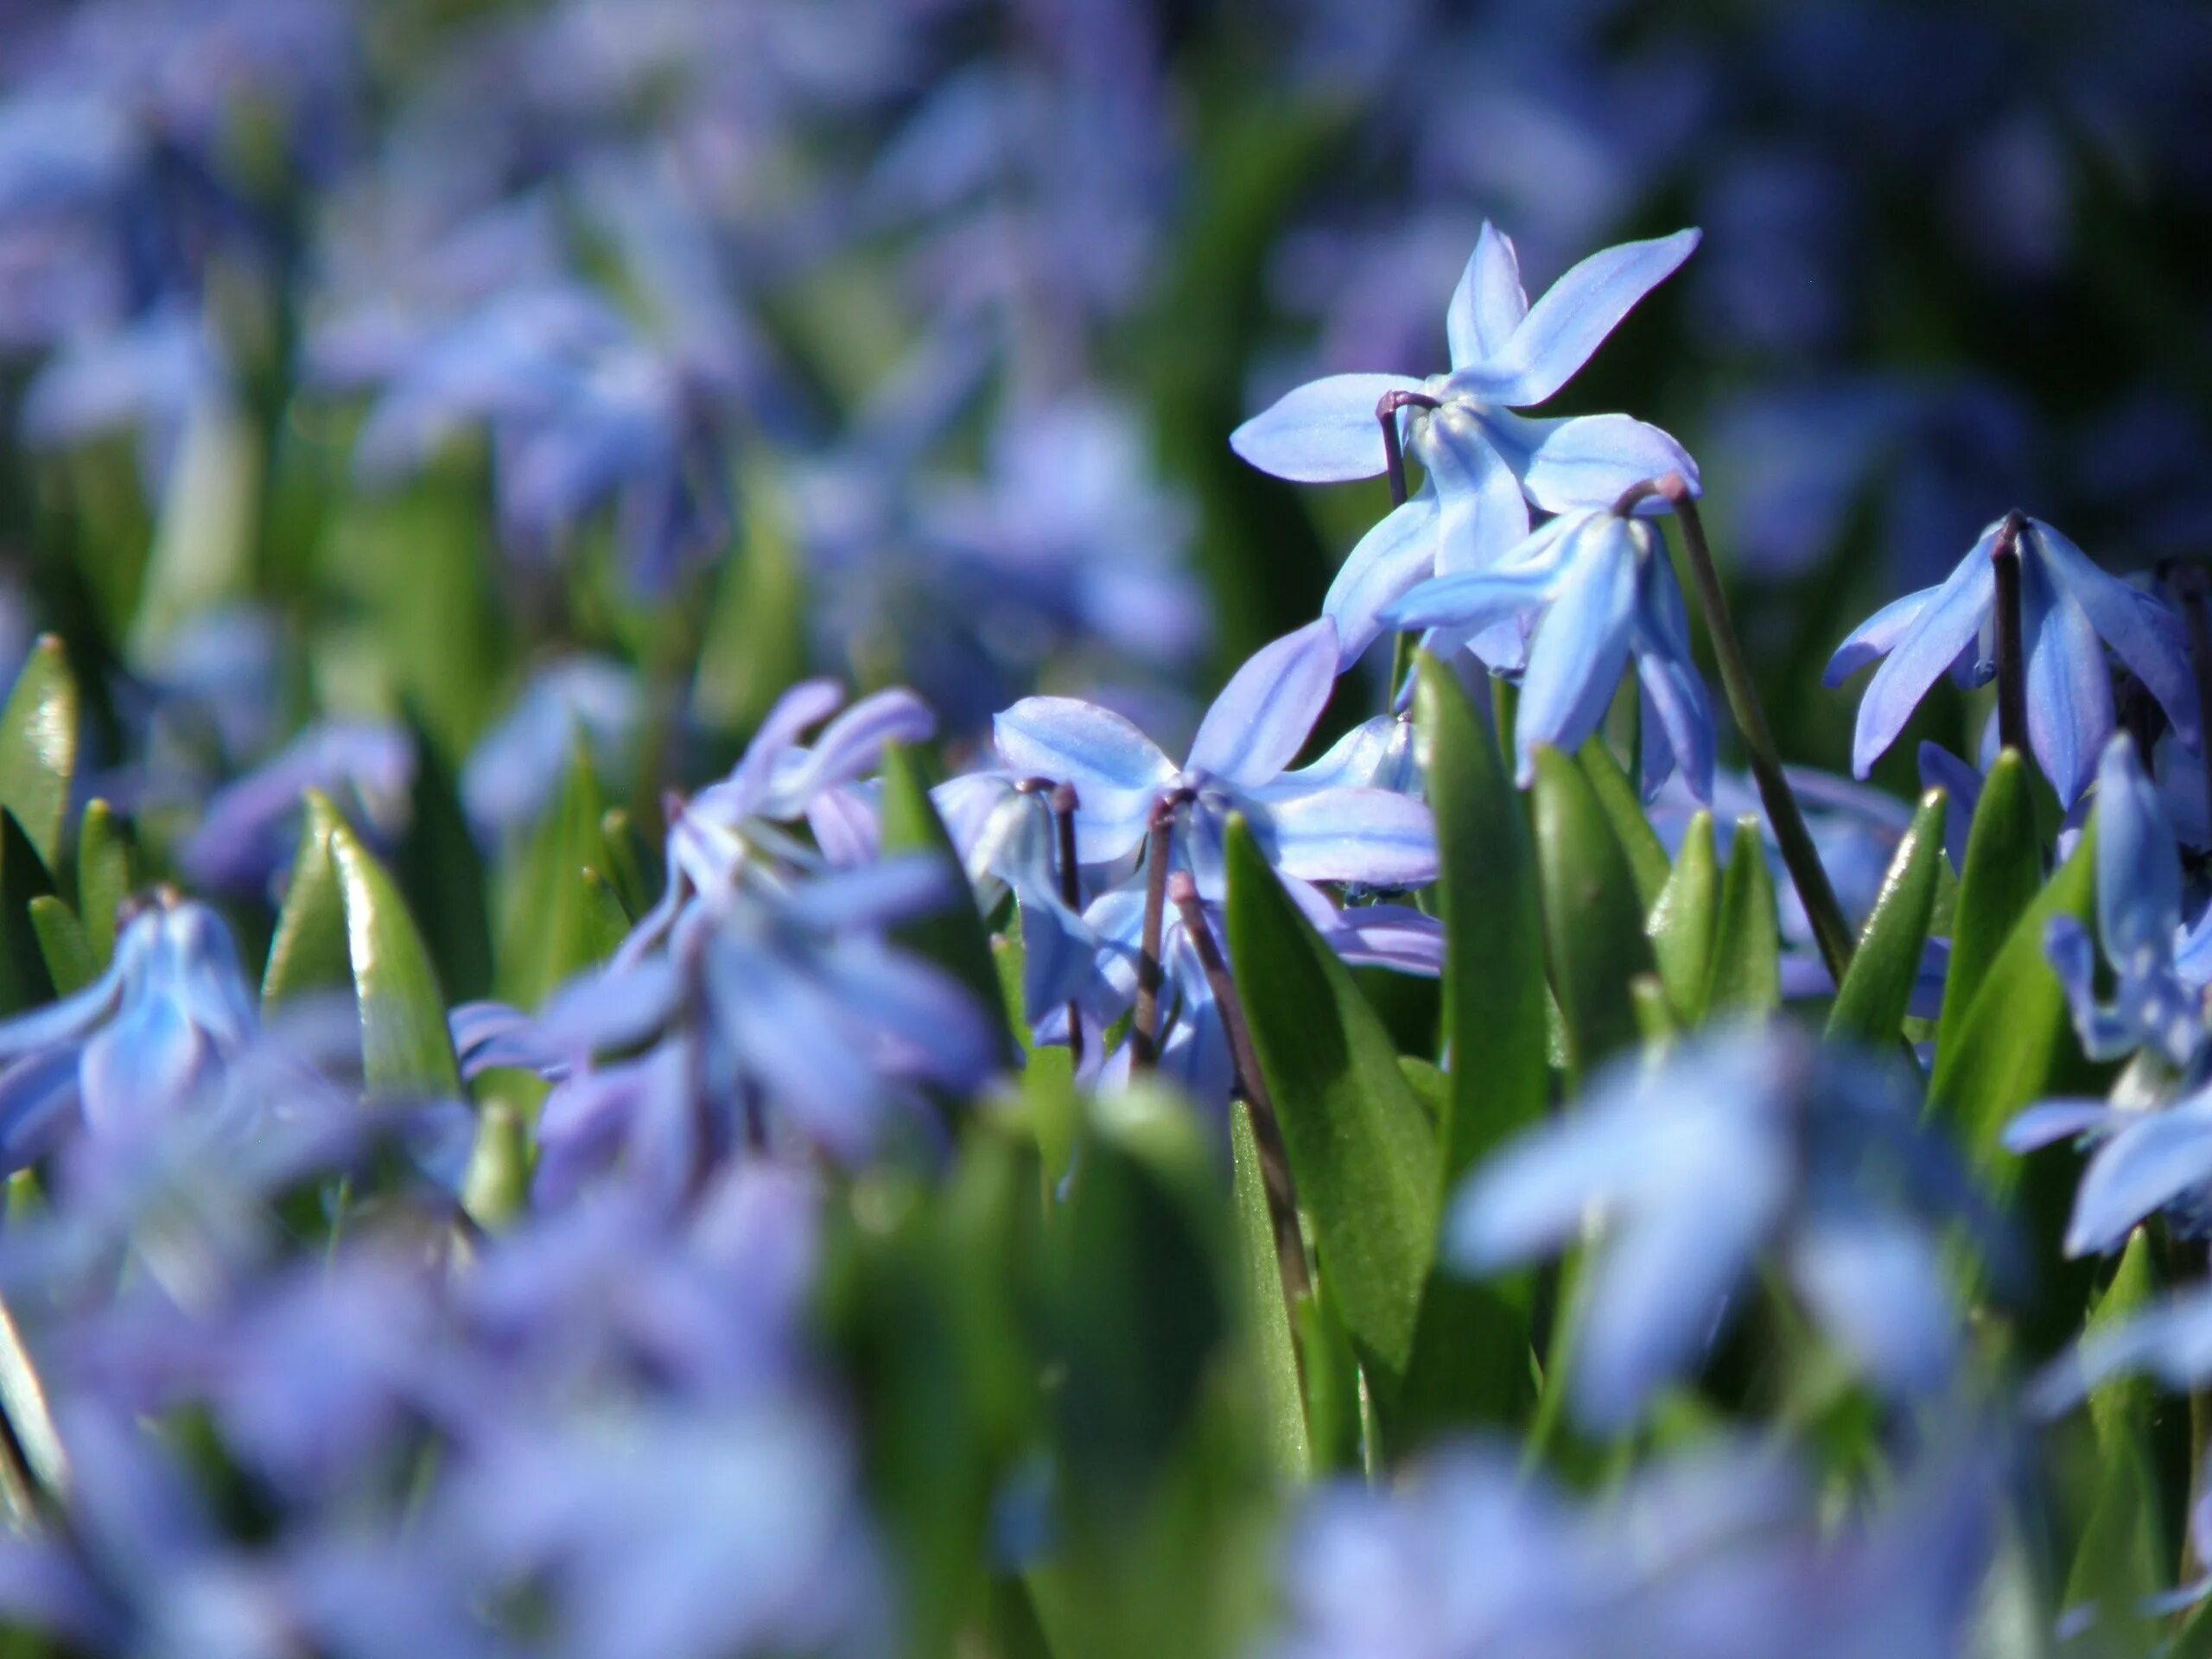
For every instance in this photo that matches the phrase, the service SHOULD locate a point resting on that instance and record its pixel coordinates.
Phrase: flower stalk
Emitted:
(2012, 649)
(1144, 1026)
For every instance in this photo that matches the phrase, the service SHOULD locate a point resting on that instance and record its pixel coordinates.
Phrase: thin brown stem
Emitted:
(1393, 450)
(2012, 652)
(1266, 1130)
(1831, 932)
(1144, 1026)
(1062, 802)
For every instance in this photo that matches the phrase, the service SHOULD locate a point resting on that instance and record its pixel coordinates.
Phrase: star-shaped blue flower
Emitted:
(2067, 605)
(1485, 465)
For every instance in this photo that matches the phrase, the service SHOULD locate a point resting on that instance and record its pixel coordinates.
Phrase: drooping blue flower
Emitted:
(1592, 590)
(134, 1045)
(247, 834)
(1314, 826)
(1485, 465)
(2146, 1158)
(1738, 1146)
(516, 768)
(2155, 1005)
(2067, 605)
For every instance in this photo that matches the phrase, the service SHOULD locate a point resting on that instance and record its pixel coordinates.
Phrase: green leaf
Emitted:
(952, 936)
(442, 872)
(1683, 921)
(607, 923)
(552, 930)
(1870, 1005)
(2004, 873)
(1640, 843)
(1746, 973)
(106, 874)
(405, 1046)
(63, 945)
(24, 982)
(38, 746)
(1361, 1150)
(1593, 920)
(2120, 1556)
(2010, 1042)
(1493, 930)
(309, 952)
(1282, 1403)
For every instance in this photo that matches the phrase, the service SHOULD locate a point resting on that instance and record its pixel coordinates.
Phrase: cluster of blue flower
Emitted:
(858, 1204)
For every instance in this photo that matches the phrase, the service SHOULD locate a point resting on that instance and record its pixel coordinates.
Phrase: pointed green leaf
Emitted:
(442, 872)
(309, 952)
(24, 982)
(405, 1046)
(1274, 1355)
(607, 923)
(951, 936)
(2012, 1041)
(1870, 1005)
(2004, 873)
(1493, 930)
(1361, 1150)
(63, 946)
(1640, 843)
(1746, 974)
(550, 930)
(38, 746)
(106, 874)
(2121, 1557)
(1683, 922)
(1593, 920)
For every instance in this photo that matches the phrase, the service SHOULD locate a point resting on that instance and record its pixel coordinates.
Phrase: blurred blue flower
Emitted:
(2067, 605)
(251, 827)
(1315, 826)
(1484, 465)
(137, 1044)
(1595, 588)
(517, 767)
(1736, 1147)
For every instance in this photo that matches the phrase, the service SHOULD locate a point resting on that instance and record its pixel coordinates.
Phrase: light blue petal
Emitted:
(73, 1018)
(1484, 514)
(1877, 1286)
(1397, 937)
(1390, 558)
(1116, 770)
(38, 1098)
(2069, 687)
(2049, 1121)
(2072, 958)
(1677, 709)
(1588, 460)
(2139, 869)
(804, 705)
(1943, 628)
(142, 1067)
(1472, 603)
(850, 746)
(1877, 636)
(1572, 320)
(1266, 712)
(2142, 1167)
(2172, 1341)
(1323, 432)
(1489, 304)
(2145, 634)
(1576, 658)
(1373, 836)
(1377, 754)
(1941, 769)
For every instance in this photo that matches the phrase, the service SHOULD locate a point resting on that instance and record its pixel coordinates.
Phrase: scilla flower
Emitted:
(2067, 605)
(135, 1043)
(1597, 590)
(1486, 466)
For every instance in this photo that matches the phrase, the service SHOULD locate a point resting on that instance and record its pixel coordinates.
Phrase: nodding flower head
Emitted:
(139, 1042)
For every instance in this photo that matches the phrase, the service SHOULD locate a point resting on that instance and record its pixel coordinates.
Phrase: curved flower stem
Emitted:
(1144, 1026)
(1831, 932)
(1266, 1131)
(1063, 802)
(2012, 653)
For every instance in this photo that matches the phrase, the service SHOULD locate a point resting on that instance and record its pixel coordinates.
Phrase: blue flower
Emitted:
(2155, 1005)
(1486, 466)
(1737, 1145)
(2067, 605)
(247, 834)
(1605, 592)
(1314, 825)
(136, 1044)
(517, 767)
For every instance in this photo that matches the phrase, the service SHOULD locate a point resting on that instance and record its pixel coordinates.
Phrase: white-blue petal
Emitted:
(1323, 432)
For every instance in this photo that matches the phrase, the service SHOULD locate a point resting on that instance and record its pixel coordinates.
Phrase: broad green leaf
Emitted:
(106, 874)
(309, 952)
(24, 982)
(496, 1188)
(1333, 1414)
(1361, 1150)
(1593, 920)
(406, 1048)
(1493, 926)
(62, 943)
(1640, 843)
(1746, 974)
(38, 746)
(2004, 873)
(607, 923)
(1683, 921)
(2121, 1557)
(550, 931)
(2012, 1041)
(1870, 1005)
(442, 872)
(626, 854)
(1274, 1354)
(1656, 1019)
(951, 936)
(1429, 1084)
